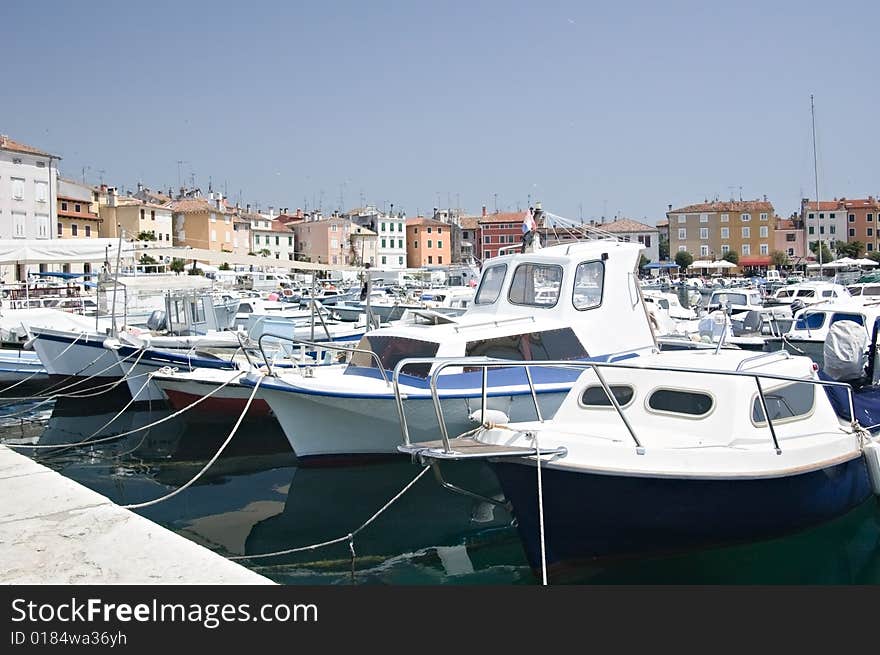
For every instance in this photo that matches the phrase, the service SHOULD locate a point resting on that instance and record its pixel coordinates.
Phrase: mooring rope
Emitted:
(12, 386)
(43, 393)
(91, 392)
(541, 512)
(180, 411)
(348, 537)
(210, 462)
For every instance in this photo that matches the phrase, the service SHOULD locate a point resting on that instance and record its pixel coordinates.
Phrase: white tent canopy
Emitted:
(705, 263)
(61, 251)
(834, 264)
(864, 261)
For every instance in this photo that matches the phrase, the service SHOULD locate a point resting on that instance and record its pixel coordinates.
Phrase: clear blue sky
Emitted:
(621, 108)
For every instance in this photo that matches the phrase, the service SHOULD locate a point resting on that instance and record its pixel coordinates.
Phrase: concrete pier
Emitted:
(56, 531)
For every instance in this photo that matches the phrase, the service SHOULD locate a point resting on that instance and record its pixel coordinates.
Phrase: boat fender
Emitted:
(112, 344)
(29, 344)
(872, 462)
(494, 416)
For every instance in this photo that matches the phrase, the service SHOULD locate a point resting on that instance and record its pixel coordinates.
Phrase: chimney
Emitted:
(669, 208)
(111, 199)
(248, 210)
(140, 187)
(484, 210)
(299, 212)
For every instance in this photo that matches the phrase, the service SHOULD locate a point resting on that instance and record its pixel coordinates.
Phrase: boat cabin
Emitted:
(571, 301)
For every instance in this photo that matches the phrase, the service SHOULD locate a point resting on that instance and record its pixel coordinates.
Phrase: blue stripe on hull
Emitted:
(589, 516)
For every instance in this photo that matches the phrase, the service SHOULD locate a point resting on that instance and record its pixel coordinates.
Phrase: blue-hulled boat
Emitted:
(683, 457)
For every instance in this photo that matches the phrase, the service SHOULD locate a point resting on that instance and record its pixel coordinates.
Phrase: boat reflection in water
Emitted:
(427, 523)
(255, 500)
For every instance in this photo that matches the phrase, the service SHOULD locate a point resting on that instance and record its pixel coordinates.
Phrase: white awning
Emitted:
(61, 251)
(217, 257)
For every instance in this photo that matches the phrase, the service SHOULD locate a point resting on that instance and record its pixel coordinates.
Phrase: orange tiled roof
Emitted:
(503, 217)
(469, 222)
(625, 225)
(193, 205)
(424, 220)
(16, 146)
(861, 203)
(733, 206)
(825, 205)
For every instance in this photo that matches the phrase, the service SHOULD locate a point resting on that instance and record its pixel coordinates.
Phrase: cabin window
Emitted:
(535, 285)
(550, 344)
(790, 401)
(595, 396)
(840, 316)
(393, 349)
(589, 280)
(810, 321)
(678, 401)
(245, 308)
(490, 285)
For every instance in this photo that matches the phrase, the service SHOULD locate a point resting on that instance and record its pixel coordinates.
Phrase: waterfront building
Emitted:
(28, 196)
(324, 240)
(709, 230)
(427, 242)
(862, 219)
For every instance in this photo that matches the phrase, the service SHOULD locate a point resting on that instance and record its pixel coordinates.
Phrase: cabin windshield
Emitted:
(391, 350)
(732, 298)
(490, 285)
(536, 285)
(589, 282)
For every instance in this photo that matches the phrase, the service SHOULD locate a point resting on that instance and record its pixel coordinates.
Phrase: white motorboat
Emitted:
(672, 452)
(350, 409)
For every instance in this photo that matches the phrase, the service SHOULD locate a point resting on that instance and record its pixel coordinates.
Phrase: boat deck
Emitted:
(465, 448)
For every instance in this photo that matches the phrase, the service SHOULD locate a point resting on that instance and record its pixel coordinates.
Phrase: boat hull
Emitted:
(227, 403)
(323, 427)
(589, 516)
(84, 358)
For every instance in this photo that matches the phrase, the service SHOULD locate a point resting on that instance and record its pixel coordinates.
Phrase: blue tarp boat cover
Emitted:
(866, 402)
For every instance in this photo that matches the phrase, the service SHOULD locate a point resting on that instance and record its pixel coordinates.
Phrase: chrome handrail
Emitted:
(442, 363)
(773, 353)
(411, 361)
(318, 346)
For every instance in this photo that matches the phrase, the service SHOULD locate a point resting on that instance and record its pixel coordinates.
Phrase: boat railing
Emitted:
(439, 364)
(318, 346)
(495, 322)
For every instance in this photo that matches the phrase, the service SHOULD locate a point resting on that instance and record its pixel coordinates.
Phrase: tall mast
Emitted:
(816, 178)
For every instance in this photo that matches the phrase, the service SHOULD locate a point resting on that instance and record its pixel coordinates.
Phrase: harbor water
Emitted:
(255, 499)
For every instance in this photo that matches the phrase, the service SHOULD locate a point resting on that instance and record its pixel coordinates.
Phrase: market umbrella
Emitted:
(864, 261)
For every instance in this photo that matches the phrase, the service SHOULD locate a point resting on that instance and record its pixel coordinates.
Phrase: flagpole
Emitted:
(816, 178)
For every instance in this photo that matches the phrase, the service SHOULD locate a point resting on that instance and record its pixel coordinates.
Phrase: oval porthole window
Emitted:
(691, 403)
(595, 396)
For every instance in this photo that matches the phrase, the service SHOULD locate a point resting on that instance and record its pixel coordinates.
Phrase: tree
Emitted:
(177, 265)
(875, 255)
(225, 266)
(663, 246)
(827, 255)
(146, 236)
(731, 256)
(684, 259)
(643, 261)
(146, 259)
(265, 252)
(854, 249)
(779, 259)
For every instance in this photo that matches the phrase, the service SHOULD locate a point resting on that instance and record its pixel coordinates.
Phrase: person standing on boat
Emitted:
(528, 229)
